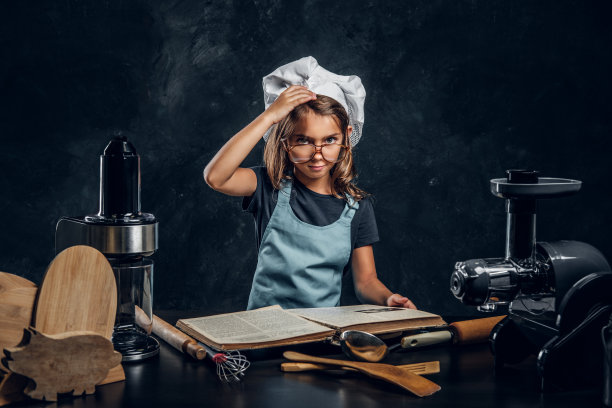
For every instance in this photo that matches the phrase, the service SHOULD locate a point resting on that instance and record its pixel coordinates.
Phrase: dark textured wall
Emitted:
(458, 91)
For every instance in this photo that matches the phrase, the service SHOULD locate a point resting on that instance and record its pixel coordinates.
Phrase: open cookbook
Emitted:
(273, 326)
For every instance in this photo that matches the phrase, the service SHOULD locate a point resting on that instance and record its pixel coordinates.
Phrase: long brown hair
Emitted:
(277, 160)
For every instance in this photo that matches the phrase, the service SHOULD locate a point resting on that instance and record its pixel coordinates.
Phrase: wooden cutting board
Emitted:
(73, 362)
(17, 296)
(10, 281)
(78, 293)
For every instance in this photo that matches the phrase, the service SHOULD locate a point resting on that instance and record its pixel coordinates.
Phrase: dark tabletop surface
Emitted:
(466, 376)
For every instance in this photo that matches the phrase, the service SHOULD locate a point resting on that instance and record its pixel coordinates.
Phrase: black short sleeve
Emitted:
(367, 230)
(261, 204)
(253, 202)
(310, 207)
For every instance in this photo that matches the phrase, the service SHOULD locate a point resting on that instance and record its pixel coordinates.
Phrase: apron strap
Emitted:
(284, 194)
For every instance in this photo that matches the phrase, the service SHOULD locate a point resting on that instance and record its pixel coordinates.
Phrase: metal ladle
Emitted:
(363, 346)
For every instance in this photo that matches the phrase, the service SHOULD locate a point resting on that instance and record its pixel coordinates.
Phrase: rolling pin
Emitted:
(464, 332)
(170, 334)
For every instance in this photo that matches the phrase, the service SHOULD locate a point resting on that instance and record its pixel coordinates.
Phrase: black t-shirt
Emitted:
(310, 207)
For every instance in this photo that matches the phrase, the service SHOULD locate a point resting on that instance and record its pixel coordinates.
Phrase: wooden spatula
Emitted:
(78, 293)
(428, 367)
(407, 380)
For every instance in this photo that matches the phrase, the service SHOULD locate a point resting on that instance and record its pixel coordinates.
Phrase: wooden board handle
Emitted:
(171, 335)
(474, 331)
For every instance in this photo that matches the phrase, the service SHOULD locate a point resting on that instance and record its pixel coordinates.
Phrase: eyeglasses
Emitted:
(304, 152)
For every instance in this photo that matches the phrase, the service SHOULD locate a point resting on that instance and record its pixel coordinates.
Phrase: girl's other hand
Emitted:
(397, 300)
(287, 101)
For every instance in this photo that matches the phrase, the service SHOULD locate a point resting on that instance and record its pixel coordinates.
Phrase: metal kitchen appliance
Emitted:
(126, 236)
(559, 293)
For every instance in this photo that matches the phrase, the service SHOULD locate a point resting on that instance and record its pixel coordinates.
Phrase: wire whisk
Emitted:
(230, 365)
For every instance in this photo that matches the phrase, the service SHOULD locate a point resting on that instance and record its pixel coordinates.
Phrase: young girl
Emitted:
(310, 217)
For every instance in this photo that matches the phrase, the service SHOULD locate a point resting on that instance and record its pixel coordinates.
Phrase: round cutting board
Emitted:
(78, 293)
(8, 281)
(17, 297)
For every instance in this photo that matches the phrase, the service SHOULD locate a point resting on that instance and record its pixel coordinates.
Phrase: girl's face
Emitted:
(317, 130)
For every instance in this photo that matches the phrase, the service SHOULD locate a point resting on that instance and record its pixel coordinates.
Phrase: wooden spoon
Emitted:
(407, 380)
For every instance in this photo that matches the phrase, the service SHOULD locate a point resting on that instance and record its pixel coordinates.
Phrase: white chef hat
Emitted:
(347, 90)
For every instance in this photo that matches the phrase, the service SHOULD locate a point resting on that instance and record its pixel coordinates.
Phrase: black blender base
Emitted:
(134, 345)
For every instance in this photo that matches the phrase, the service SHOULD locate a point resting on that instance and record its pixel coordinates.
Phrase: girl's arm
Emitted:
(223, 172)
(367, 286)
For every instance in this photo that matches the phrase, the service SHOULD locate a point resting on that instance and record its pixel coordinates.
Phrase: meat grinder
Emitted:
(559, 294)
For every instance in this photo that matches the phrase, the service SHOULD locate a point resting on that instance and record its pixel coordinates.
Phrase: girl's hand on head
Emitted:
(287, 101)
(397, 300)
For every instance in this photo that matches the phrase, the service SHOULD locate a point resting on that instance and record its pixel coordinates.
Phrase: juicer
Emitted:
(559, 294)
(127, 237)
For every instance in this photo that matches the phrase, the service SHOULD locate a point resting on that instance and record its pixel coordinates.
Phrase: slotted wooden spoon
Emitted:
(428, 367)
(409, 381)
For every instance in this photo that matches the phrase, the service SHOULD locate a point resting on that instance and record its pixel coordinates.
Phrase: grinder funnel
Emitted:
(521, 189)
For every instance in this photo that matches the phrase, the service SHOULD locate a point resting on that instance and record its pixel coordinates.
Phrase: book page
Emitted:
(253, 326)
(344, 316)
